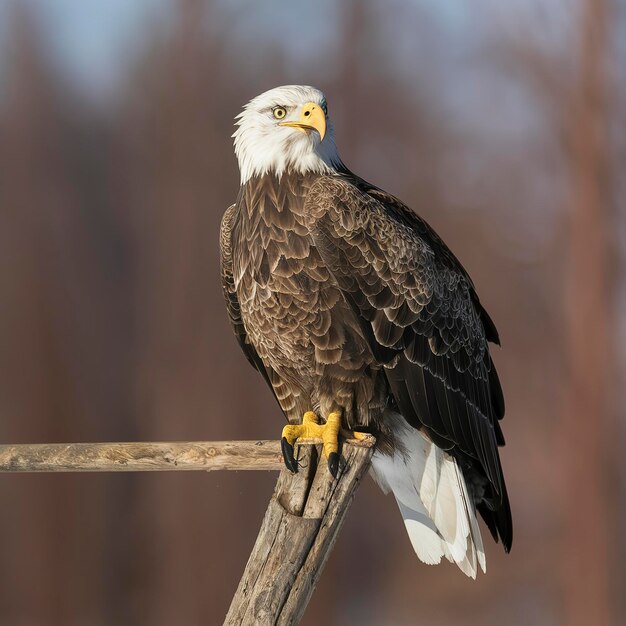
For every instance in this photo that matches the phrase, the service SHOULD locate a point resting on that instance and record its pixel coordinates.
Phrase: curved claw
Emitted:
(355, 434)
(288, 455)
(333, 464)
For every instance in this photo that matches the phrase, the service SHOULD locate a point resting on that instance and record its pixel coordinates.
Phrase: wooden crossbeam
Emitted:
(300, 525)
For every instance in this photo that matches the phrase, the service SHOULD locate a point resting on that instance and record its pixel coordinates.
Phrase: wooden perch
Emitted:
(297, 535)
(141, 457)
(300, 525)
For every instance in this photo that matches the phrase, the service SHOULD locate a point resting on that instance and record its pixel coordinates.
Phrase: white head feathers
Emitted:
(264, 141)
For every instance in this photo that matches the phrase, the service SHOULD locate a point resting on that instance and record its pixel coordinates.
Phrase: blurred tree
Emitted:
(112, 324)
(63, 373)
(588, 508)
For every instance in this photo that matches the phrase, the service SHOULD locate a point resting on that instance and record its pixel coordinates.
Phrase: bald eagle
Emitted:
(358, 316)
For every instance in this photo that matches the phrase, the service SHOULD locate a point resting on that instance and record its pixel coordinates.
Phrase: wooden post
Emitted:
(298, 532)
(300, 525)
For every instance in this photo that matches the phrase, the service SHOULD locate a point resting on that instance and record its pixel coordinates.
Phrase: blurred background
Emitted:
(501, 123)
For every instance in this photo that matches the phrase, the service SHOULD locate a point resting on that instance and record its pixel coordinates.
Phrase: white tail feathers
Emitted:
(432, 495)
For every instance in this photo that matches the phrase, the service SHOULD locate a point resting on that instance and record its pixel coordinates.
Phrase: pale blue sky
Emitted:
(92, 40)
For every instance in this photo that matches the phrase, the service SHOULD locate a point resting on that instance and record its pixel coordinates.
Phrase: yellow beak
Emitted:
(312, 117)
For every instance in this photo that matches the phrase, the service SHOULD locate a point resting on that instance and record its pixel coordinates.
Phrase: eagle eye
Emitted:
(279, 112)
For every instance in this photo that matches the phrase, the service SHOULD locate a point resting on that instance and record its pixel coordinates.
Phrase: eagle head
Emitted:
(285, 130)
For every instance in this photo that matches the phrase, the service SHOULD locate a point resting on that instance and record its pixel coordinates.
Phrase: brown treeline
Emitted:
(112, 325)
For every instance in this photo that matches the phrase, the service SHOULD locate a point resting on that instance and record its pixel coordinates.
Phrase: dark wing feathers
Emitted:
(423, 321)
(230, 294)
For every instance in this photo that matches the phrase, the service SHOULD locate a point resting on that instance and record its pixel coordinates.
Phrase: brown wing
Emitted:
(230, 294)
(427, 325)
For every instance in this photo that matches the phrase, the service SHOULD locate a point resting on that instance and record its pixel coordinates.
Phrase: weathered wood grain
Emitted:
(141, 456)
(300, 525)
(298, 532)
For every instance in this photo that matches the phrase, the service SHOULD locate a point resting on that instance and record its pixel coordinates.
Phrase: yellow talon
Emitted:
(330, 434)
(310, 418)
(312, 429)
(309, 429)
(355, 434)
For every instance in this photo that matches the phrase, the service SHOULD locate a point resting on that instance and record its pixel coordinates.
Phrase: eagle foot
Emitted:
(311, 429)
